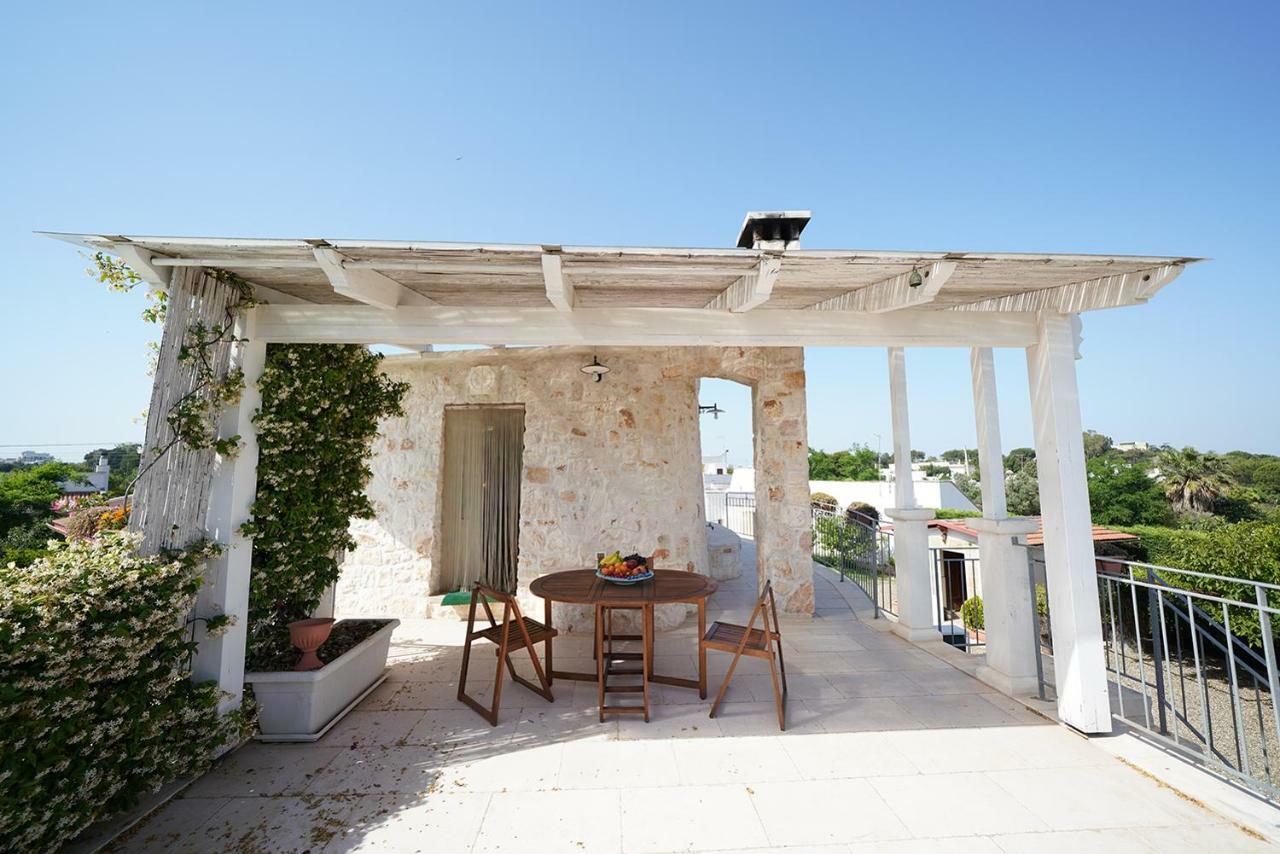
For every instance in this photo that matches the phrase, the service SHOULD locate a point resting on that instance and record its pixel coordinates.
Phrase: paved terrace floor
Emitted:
(888, 749)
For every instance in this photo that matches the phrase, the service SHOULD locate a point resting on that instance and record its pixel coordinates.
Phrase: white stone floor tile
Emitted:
(825, 812)
(374, 771)
(733, 760)
(689, 818)
(263, 769)
(671, 722)
(461, 729)
(569, 821)
(955, 805)
(439, 824)
(527, 768)
(173, 828)
(1045, 745)
(742, 720)
(834, 756)
(282, 824)
(372, 729)
(1094, 798)
(947, 845)
(864, 714)
(1199, 838)
(619, 764)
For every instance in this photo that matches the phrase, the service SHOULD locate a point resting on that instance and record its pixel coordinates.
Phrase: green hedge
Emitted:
(95, 704)
(1247, 550)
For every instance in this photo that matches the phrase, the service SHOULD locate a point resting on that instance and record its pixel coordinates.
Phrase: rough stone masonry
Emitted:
(614, 464)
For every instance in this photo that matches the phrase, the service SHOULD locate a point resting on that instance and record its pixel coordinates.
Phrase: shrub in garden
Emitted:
(1245, 550)
(321, 406)
(971, 613)
(96, 707)
(823, 501)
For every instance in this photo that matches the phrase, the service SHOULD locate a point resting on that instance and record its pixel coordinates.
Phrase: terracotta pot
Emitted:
(309, 636)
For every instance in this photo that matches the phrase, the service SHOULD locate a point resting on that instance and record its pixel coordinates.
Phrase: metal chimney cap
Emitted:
(760, 226)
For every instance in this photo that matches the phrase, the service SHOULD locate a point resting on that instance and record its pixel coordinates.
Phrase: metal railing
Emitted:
(860, 550)
(735, 510)
(956, 580)
(1191, 661)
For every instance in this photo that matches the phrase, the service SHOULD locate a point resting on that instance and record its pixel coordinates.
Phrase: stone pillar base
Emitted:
(917, 634)
(914, 571)
(1014, 686)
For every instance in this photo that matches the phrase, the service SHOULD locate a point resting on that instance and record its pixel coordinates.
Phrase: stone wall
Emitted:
(614, 464)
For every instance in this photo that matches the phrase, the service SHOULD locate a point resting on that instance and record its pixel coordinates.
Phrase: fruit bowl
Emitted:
(617, 569)
(633, 579)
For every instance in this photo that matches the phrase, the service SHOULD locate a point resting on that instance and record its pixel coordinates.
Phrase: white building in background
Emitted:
(918, 470)
(87, 484)
(880, 494)
(716, 472)
(1132, 446)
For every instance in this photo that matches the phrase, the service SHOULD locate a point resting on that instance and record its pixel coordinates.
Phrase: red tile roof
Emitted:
(959, 526)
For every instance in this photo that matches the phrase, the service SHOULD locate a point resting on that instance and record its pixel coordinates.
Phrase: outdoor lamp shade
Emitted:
(595, 369)
(915, 280)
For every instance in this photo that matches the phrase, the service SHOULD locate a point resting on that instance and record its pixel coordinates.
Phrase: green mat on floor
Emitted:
(461, 597)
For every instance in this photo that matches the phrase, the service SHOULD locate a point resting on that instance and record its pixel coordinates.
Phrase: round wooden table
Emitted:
(668, 586)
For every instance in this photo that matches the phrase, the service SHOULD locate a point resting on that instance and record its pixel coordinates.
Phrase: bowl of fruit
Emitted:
(617, 569)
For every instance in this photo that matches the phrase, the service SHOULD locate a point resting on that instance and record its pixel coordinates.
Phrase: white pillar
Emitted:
(226, 589)
(1007, 603)
(910, 521)
(1078, 653)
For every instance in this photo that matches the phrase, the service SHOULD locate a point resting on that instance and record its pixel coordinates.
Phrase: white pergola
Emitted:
(416, 294)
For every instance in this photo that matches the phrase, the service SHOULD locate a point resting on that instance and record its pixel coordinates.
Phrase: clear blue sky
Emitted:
(1143, 128)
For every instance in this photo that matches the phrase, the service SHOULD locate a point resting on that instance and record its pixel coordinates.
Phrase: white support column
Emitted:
(910, 521)
(1006, 591)
(226, 588)
(1078, 653)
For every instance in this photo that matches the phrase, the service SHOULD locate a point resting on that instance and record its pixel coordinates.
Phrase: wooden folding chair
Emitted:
(516, 632)
(764, 642)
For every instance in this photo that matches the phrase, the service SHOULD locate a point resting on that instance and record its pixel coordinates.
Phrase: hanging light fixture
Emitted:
(595, 369)
(915, 280)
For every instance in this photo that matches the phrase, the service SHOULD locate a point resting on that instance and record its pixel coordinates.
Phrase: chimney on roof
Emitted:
(772, 230)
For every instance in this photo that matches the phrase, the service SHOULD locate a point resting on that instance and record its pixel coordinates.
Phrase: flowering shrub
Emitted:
(321, 405)
(95, 704)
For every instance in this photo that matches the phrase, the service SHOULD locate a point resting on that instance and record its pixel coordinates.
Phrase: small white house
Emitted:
(88, 484)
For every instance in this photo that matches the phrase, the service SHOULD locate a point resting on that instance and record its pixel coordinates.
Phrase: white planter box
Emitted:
(302, 706)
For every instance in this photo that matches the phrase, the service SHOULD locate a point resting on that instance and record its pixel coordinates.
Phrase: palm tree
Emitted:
(1192, 480)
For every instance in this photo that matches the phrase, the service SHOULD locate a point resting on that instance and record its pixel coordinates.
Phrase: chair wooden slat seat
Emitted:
(727, 637)
(536, 632)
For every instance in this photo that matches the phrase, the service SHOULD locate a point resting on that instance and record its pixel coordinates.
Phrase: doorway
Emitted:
(480, 524)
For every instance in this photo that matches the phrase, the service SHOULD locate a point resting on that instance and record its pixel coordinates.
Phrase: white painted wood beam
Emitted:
(144, 263)
(231, 492)
(986, 413)
(1079, 656)
(904, 487)
(559, 289)
(910, 520)
(640, 326)
(895, 293)
(366, 286)
(1105, 292)
(751, 290)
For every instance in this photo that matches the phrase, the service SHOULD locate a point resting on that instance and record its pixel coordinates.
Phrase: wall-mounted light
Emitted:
(595, 369)
(712, 410)
(915, 280)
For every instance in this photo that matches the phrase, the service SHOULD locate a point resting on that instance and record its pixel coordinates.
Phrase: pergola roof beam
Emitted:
(1104, 292)
(559, 289)
(408, 325)
(751, 290)
(145, 263)
(366, 286)
(895, 293)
